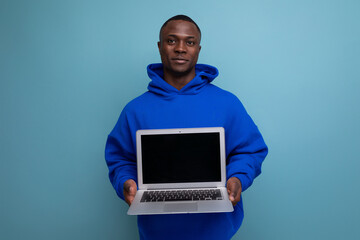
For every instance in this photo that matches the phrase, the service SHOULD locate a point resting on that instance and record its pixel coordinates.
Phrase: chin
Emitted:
(182, 69)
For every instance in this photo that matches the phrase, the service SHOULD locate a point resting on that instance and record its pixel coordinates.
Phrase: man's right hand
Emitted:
(130, 190)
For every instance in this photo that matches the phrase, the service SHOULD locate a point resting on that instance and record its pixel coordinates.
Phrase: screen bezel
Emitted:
(222, 163)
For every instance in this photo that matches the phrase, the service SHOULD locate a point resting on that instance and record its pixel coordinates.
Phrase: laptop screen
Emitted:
(181, 158)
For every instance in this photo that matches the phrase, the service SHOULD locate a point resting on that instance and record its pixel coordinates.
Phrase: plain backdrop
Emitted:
(67, 68)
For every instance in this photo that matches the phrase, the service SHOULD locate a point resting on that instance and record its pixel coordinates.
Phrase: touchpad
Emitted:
(180, 207)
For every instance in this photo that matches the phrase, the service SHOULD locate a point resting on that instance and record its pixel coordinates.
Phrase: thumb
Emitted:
(132, 190)
(130, 187)
(232, 190)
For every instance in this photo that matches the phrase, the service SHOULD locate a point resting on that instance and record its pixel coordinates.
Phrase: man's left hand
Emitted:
(234, 190)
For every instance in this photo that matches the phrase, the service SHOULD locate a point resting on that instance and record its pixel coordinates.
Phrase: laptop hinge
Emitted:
(177, 188)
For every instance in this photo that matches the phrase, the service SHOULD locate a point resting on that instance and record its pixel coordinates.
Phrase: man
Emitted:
(181, 95)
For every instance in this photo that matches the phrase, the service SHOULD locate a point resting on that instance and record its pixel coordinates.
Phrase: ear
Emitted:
(159, 45)
(199, 48)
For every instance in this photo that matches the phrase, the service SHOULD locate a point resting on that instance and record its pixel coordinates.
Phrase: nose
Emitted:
(180, 47)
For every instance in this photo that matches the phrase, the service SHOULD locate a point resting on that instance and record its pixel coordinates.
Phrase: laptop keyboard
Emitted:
(181, 195)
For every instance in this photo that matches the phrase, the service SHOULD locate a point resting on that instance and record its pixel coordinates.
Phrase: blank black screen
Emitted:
(181, 158)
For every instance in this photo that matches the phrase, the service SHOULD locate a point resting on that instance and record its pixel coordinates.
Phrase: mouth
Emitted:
(180, 60)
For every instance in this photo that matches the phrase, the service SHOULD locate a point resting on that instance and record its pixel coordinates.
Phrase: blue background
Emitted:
(67, 69)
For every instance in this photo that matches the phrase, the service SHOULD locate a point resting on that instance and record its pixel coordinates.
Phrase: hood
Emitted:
(204, 75)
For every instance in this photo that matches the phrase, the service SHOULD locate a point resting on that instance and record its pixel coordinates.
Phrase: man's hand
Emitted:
(234, 190)
(130, 190)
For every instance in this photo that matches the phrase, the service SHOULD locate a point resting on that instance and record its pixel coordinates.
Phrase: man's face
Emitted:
(179, 47)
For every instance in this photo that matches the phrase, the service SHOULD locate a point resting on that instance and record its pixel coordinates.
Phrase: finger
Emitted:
(232, 190)
(132, 190)
(130, 199)
(129, 191)
(129, 196)
(127, 188)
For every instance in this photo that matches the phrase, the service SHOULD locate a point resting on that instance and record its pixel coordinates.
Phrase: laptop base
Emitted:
(180, 207)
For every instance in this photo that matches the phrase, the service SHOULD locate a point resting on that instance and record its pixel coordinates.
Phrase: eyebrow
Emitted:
(174, 35)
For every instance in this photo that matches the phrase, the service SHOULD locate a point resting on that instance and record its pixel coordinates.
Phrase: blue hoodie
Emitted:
(198, 104)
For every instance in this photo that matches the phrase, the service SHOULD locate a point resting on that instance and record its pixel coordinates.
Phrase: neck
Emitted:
(178, 81)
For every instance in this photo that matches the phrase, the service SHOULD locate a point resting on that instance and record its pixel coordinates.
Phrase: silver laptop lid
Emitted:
(181, 158)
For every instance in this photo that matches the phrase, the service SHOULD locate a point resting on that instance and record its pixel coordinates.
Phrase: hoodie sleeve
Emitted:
(120, 155)
(246, 149)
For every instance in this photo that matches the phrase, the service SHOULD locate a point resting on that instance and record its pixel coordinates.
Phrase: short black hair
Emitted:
(179, 17)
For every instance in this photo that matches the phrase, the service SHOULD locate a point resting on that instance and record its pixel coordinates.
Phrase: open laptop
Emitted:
(181, 171)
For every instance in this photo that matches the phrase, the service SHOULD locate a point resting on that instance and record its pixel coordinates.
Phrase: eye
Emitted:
(171, 41)
(190, 43)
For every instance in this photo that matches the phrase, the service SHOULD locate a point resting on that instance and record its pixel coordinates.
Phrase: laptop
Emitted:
(181, 171)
